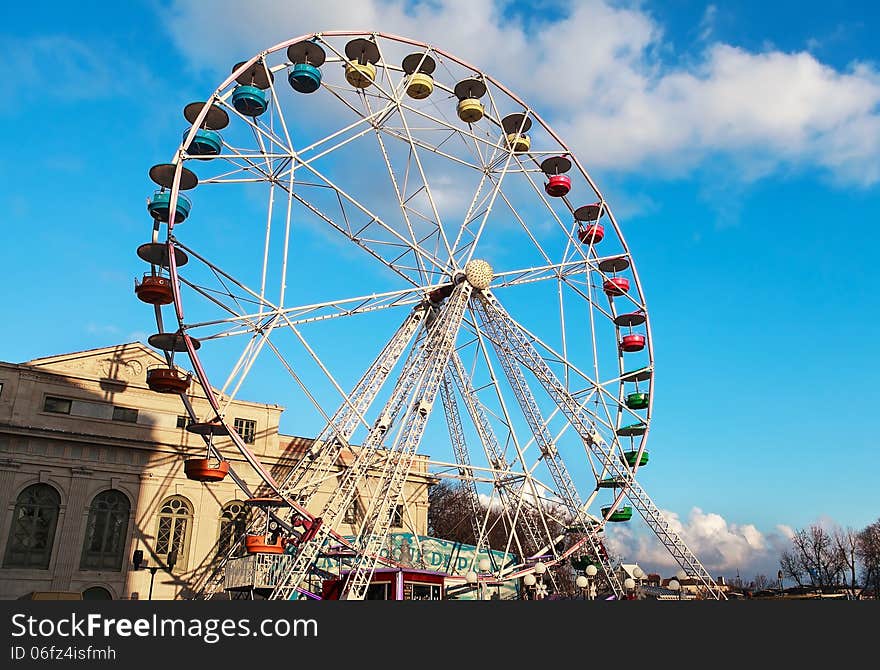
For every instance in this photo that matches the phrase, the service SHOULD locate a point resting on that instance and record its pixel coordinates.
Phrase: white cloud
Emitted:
(786, 531)
(723, 548)
(707, 23)
(596, 76)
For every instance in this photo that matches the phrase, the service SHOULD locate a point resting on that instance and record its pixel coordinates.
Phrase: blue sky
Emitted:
(738, 145)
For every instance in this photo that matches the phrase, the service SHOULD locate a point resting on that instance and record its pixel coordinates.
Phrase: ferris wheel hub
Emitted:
(478, 273)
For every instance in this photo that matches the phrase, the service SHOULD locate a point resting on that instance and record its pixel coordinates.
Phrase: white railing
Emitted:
(257, 571)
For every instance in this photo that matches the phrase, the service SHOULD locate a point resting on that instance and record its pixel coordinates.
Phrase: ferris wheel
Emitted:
(392, 244)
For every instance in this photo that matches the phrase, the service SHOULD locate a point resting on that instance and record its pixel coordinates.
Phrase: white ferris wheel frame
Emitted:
(480, 314)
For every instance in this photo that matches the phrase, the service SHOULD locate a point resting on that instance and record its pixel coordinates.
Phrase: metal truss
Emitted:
(512, 342)
(513, 502)
(462, 457)
(439, 347)
(565, 487)
(323, 457)
(397, 459)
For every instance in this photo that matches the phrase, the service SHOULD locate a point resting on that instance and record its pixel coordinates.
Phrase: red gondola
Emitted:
(203, 470)
(616, 286)
(154, 290)
(558, 185)
(592, 234)
(167, 380)
(632, 342)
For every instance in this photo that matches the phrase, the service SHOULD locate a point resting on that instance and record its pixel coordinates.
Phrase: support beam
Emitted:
(322, 459)
(519, 346)
(439, 346)
(513, 502)
(462, 457)
(565, 487)
(367, 459)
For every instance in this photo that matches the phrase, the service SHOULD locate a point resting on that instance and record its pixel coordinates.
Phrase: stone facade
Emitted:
(86, 423)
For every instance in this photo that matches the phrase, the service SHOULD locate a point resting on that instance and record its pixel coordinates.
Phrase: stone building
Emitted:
(91, 470)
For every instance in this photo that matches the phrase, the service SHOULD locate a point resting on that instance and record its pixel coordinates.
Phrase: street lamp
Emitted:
(674, 585)
(681, 575)
(629, 584)
(582, 583)
(529, 581)
(140, 564)
(591, 572)
(639, 574)
(540, 569)
(485, 566)
(472, 579)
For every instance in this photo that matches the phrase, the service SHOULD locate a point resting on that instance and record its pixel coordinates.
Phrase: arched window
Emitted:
(97, 593)
(233, 524)
(175, 519)
(106, 531)
(33, 528)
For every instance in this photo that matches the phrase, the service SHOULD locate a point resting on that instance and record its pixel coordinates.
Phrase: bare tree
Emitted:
(868, 553)
(791, 567)
(450, 518)
(846, 544)
(761, 582)
(449, 513)
(813, 555)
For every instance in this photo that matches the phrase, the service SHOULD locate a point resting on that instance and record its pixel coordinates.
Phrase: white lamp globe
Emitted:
(629, 583)
(540, 568)
(591, 570)
(529, 580)
(638, 573)
(581, 582)
(471, 577)
(674, 585)
(485, 565)
(681, 575)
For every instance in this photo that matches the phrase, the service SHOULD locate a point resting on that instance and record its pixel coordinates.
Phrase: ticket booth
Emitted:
(393, 584)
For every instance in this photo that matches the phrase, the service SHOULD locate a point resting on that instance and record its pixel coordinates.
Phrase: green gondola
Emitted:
(619, 515)
(611, 483)
(630, 458)
(637, 400)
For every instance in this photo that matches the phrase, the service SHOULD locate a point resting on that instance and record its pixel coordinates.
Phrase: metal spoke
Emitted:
(419, 374)
(549, 453)
(520, 347)
(440, 344)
